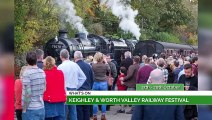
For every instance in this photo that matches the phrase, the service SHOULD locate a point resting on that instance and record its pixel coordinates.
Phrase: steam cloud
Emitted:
(126, 14)
(69, 15)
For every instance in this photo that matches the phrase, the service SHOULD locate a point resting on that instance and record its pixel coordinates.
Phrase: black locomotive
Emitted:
(90, 44)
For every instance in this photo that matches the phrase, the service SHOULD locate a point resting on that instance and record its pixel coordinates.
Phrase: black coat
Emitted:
(126, 63)
(158, 112)
(193, 82)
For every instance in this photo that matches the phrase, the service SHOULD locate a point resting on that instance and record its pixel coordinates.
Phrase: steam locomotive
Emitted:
(92, 43)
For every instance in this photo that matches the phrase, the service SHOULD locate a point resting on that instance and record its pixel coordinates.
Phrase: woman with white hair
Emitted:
(127, 61)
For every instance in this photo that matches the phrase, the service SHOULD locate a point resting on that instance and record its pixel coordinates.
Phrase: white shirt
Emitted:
(73, 75)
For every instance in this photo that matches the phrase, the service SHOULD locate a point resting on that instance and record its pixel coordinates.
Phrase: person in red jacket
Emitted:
(55, 95)
(18, 94)
(121, 86)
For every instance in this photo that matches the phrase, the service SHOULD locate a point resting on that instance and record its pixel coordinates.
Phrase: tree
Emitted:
(172, 17)
(149, 14)
(176, 14)
(35, 22)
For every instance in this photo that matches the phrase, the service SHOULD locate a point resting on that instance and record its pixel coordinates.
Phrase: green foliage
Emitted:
(176, 14)
(96, 28)
(193, 39)
(149, 13)
(166, 37)
(35, 22)
(192, 6)
(109, 22)
(165, 16)
(147, 34)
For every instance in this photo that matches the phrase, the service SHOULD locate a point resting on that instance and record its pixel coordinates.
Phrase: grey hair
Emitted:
(127, 54)
(157, 76)
(64, 53)
(78, 54)
(39, 53)
(161, 62)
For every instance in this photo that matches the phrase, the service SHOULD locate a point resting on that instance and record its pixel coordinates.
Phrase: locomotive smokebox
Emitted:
(63, 33)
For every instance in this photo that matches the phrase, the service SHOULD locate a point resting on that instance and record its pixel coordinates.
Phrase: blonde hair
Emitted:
(98, 57)
(172, 66)
(89, 58)
(22, 71)
(48, 63)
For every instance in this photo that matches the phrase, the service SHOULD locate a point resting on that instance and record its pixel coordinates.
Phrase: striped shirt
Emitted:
(34, 84)
(165, 72)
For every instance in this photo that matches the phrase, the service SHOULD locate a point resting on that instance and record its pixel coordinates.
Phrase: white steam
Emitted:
(126, 14)
(69, 15)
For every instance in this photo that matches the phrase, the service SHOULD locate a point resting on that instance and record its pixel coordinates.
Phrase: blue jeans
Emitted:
(83, 112)
(71, 109)
(34, 114)
(131, 89)
(56, 118)
(54, 111)
(100, 86)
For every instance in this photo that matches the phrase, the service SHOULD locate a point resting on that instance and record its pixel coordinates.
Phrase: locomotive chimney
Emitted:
(63, 34)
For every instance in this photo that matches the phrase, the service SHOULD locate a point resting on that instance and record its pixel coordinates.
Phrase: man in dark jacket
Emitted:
(113, 68)
(130, 79)
(113, 73)
(176, 70)
(39, 54)
(117, 69)
(191, 83)
(83, 111)
(157, 112)
(189, 79)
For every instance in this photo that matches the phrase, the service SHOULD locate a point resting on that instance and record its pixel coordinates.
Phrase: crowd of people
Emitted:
(40, 91)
